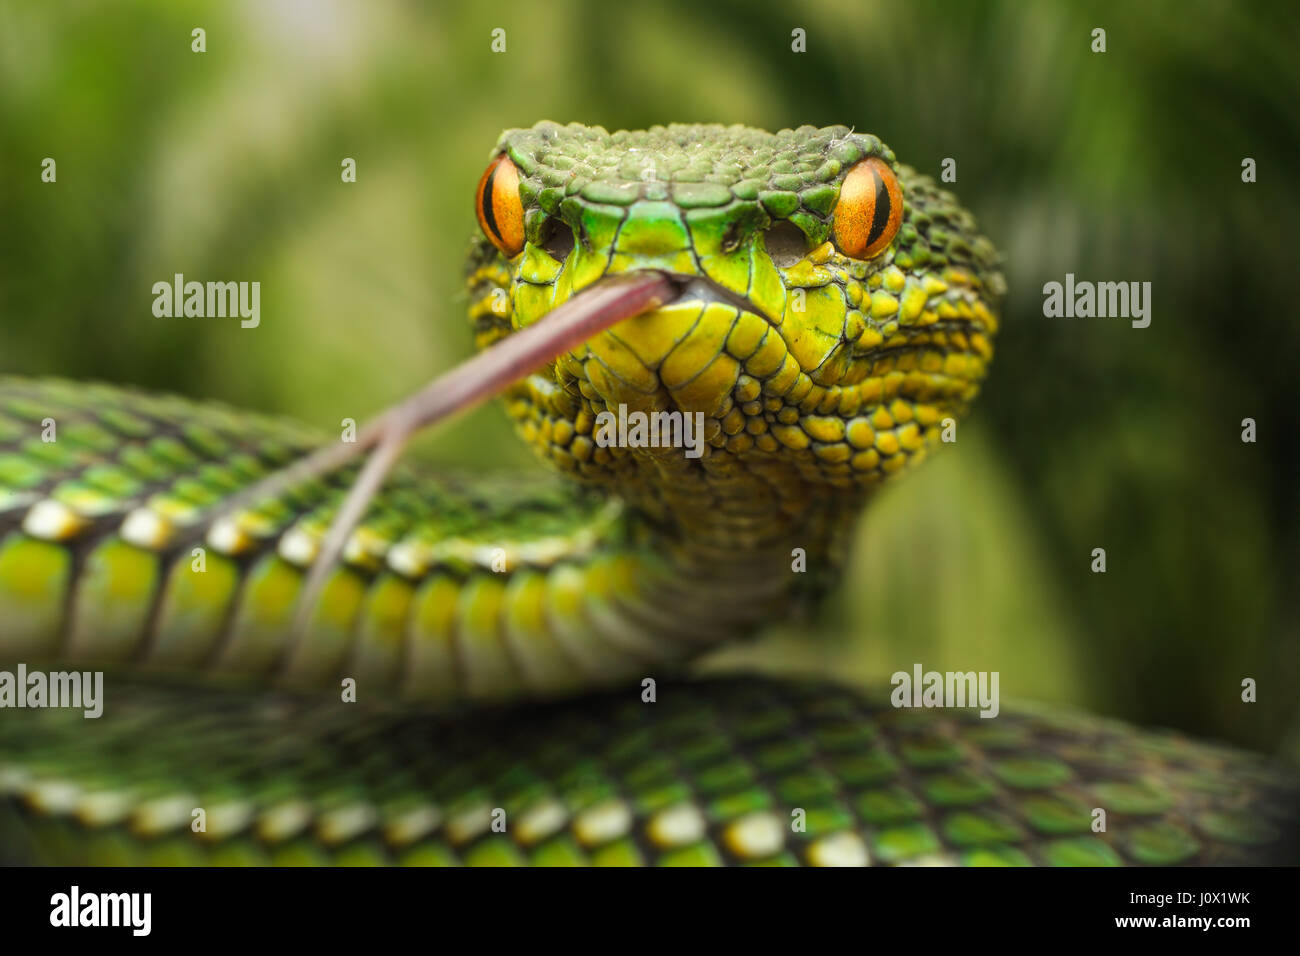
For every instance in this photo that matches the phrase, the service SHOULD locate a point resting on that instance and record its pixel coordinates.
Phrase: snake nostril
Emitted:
(786, 244)
(731, 239)
(558, 240)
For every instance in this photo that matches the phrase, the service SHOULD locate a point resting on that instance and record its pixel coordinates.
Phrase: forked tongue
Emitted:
(467, 385)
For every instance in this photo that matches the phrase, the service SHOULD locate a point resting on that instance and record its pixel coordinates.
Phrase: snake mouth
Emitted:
(702, 289)
(679, 354)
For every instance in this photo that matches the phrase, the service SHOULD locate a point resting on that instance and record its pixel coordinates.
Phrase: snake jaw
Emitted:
(704, 290)
(838, 396)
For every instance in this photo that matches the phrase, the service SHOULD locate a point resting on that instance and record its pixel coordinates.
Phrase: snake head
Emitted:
(835, 308)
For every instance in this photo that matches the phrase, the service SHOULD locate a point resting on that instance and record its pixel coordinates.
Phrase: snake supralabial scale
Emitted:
(835, 311)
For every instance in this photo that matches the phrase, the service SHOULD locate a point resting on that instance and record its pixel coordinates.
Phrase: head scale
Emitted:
(836, 308)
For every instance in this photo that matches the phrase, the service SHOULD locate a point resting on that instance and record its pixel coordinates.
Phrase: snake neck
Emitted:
(720, 519)
(718, 553)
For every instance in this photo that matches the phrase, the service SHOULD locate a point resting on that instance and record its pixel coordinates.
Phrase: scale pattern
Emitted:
(745, 770)
(792, 174)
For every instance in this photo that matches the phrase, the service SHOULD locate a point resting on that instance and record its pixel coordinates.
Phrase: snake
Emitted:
(497, 669)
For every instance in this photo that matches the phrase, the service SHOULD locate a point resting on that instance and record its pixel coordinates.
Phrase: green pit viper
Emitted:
(835, 308)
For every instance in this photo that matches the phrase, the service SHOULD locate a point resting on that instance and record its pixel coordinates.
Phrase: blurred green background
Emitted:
(1117, 166)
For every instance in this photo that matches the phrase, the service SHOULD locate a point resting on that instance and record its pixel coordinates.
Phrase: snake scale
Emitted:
(836, 310)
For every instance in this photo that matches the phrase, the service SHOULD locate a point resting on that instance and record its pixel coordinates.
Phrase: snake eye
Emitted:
(499, 208)
(869, 210)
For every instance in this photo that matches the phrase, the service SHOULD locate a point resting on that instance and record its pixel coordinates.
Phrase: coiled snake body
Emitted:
(835, 309)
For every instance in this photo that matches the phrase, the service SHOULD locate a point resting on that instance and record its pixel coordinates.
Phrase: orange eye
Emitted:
(869, 211)
(500, 210)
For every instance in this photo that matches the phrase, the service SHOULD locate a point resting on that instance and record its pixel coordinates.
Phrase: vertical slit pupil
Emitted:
(489, 216)
(880, 217)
